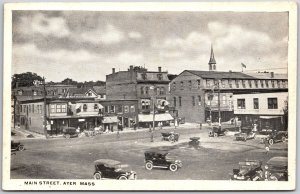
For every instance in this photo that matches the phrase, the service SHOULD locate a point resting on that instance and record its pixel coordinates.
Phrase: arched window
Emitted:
(84, 107)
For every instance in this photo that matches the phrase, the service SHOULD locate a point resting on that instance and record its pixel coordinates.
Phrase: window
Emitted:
(179, 100)
(20, 92)
(120, 108)
(193, 100)
(223, 83)
(174, 86)
(95, 106)
(250, 83)
(262, 83)
(272, 103)
(174, 101)
(32, 108)
(230, 83)
(147, 90)
(267, 83)
(199, 99)
(162, 91)
(29, 108)
(159, 76)
(237, 85)
(224, 99)
(190, 84)
(106, 109)
(255, 103)
(132, 108)
(90, 94)
(112, 109)
(142, 90)
(63, 108)
(53, 108)
(241, 103)
(198, 83)
(244, 83)
(181, 85)
(284, 83)
(21, 108)
(58, 108)
(256, 83)
(273, 84)
(157, 90)
(126, 109)
(34, 92)
(84, 107)
(208, 83)
(279, 83)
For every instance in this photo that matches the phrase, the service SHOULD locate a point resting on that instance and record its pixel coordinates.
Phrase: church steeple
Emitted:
(212, 62)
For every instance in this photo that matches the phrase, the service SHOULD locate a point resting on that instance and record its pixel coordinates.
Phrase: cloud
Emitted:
(134, 35)
(109, 35)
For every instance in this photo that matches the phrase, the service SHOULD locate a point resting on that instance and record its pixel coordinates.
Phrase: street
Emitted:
(60, 158)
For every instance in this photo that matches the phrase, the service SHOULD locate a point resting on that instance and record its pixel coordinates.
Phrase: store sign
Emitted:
(81, 120)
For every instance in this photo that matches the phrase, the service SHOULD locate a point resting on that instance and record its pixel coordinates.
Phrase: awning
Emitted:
(87, 114)
(110, 120)
(158, 117)
(100, 106)
(269, 117)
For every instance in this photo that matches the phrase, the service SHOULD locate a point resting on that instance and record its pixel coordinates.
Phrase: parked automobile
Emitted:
(170, 136)
(248, 170)
(280, 136)
(69, 132)
(16, 146)
(194, 142)
(276, 169)
(161, 159)
(245, 134)
(217, 131)
(112, 169)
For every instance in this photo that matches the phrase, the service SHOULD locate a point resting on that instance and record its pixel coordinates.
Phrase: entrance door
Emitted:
(126, 122)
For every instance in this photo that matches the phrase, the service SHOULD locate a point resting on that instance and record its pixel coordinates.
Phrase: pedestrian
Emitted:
(134, 125)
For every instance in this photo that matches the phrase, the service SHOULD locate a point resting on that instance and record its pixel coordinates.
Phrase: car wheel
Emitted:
(173, 167)
(21, 148)
(149, 165)
(68, 136)
(283, 139)
(271, 141)
(122, 178)
(210, 134)
(215, 135)
(97, 176)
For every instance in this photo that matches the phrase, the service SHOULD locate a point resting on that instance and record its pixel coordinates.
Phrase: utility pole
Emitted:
(45, 110)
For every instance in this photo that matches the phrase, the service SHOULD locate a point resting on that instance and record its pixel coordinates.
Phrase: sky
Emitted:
(86, 45)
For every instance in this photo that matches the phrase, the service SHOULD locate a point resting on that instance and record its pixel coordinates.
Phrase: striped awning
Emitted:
(158, 117)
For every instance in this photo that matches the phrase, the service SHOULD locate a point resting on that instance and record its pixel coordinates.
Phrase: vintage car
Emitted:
(280, 136)
(69, 132)
(276, 169)
(247, 171)
(194, 142)
(112, 169)
(170, 136)
(161, 159)
(245, 134)
(16, 146)
(217, 131)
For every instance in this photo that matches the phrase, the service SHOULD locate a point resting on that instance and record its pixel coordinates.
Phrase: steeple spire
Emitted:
(212, 62)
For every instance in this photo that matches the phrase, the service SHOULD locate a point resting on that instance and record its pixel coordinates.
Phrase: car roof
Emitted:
(280, 161)
(107, 161)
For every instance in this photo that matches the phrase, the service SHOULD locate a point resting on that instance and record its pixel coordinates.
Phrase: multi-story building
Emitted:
(266, 110)
(147, 87)
(195, 94)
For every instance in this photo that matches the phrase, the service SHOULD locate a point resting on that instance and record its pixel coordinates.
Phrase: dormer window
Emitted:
(159, 76)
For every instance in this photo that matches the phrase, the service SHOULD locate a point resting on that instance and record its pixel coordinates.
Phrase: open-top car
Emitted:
(69, 132)
(161, 159)
(276, 169)
(170, 136)
(245, 134)
(217, 131)
(16, 146)
(275, 137)
(247, 170)
(112, 169)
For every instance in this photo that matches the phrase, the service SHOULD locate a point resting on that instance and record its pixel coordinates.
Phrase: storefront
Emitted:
(146, 120)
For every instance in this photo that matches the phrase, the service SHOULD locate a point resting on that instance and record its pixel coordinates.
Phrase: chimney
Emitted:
(159, 69)
(272, 74)
(113, 70)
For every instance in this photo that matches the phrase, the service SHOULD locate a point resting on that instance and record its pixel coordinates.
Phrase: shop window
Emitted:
(84, 107)
(241, 104)
(255, 103)
(272, 103)
(53, 108)
(132, 108)
(63, 108)
(126, 109)
(58, 108)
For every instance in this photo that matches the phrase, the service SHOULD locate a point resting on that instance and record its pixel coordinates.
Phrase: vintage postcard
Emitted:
(149, 96)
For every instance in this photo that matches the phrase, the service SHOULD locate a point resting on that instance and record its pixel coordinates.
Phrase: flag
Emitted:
(243, 65)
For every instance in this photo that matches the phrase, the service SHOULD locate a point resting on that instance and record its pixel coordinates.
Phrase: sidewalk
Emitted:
(22, 134)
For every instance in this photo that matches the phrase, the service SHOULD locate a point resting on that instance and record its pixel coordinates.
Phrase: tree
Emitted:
(25, 79)
(69, 81)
